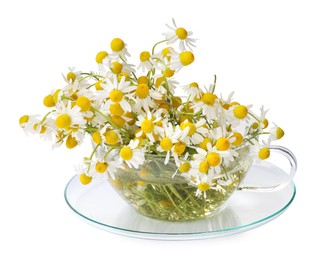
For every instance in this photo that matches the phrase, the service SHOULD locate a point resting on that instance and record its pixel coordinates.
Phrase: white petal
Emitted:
(167, 158)
(125, 105)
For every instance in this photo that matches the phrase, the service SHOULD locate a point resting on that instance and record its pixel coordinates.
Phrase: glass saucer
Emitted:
(99, 205)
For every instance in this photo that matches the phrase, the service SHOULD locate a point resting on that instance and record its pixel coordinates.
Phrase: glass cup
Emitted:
(153, 192)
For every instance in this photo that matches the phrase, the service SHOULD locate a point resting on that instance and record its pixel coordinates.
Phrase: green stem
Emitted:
(109, 150)
(109, 120)
(214, 84)
(153, 49)
(252, 115)
(45, 117)
(91, 156)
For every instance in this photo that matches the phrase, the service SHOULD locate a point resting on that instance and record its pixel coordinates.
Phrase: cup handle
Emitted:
(293, 167)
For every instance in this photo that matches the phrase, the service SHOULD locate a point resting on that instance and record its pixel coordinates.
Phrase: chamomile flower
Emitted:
(208, 104)
(118, 68)
(164, 84)
(204, 182)
(78, 135)
(223, 142)
(27, 122)
(119, 49)
(194, 132)
(118, 92)
(192, 90)
(68, 117)
(144, 97)
(276, 133)
(180, 60)
(239, 114)
(82, 171)
(46, 129)
(261, 151)
(263, 121)
(72, 75)
(207, 159)
(184, 166)
(150, 125)
(132, 155)
(146, 61)
(163, 56)
(179, 34)
(169, 137)
(105, 165)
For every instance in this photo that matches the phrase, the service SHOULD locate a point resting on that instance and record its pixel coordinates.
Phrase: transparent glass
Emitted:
(153, 192)
(99, 205)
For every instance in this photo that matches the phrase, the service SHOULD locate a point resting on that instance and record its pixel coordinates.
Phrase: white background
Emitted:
(270, 52)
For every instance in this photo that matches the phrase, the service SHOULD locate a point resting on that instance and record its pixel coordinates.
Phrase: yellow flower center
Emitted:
(226, 106)
(85, 179)
(24, 119)
(239, 139)
(119, 121)
(56, 93)
(147, 126)
(83, 103)
(166, 52)
(143, 80)
(255, 125)
(213, 159)
(96, 137)
(203, 167)
(116, 95)
(265, 123)
(222, 144)
(71, 142)
(48, 101)
(101, 167)
(123, 74)
(185, 167)
(116, 109)
(100, 56)
(208, 99)
(144, 56)
(203, 186)
(117, 67)
(194, 85)
(42, 130)
(117, 44)
(126, 153)
(71, 76)
(186, 58)
(168, 73)
(159, 81)
(181, 33)
(192, 127)
(166, 144)
(111, 138)
(179, 148)
(204, 143)
(176, 101)
(98, 86)
(130, 118)
(264, 153)
(240, 111)
(63, 121)
(142, 91)
(280, 133)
